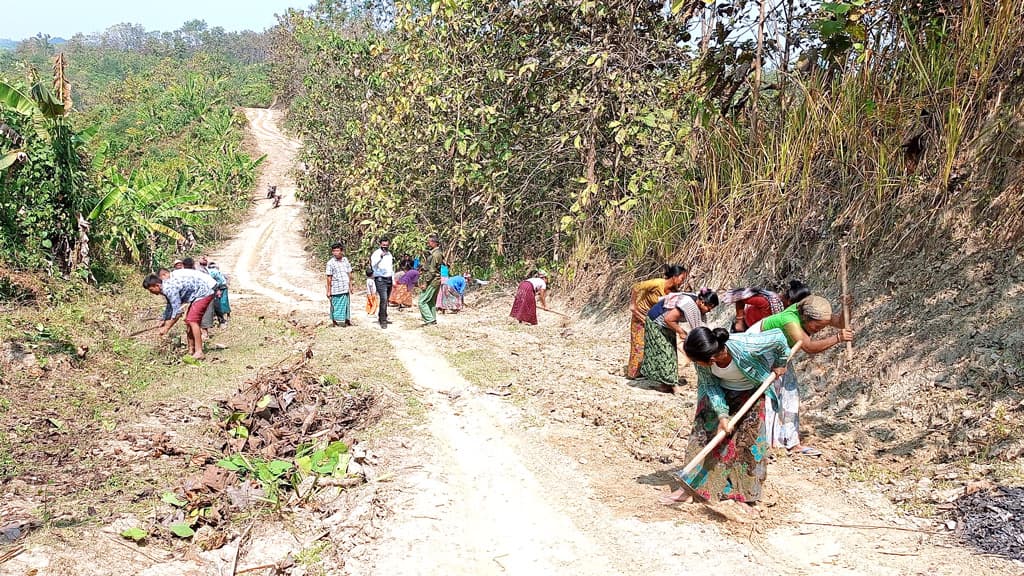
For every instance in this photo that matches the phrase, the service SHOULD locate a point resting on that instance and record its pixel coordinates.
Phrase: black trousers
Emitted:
(383, 292)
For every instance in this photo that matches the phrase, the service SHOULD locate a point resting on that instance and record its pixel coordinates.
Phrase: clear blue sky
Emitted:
(63, 18)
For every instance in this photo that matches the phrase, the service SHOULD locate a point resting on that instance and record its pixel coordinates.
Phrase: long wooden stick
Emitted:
(846, 304)
(553, 311)
(144, 330)
(735, 418)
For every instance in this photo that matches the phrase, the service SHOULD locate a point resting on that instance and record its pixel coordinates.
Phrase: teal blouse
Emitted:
(755, 355)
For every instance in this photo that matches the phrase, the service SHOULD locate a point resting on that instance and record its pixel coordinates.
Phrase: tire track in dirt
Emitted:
(266, 258)
(493, 498)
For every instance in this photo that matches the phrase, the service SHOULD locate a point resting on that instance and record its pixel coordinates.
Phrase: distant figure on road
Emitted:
(222, 305)
(405, 283)
(799, 322)
(675, 315)
(383, 264)
(339, 283)
(430, 278)
(645, 295)
(524, 308)
(756, 304)
(189, 269)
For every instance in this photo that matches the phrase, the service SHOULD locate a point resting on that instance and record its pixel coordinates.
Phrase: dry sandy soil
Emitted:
(531, 455)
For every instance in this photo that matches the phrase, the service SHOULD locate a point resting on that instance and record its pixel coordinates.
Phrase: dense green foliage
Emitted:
(606, 129)
(141, 158)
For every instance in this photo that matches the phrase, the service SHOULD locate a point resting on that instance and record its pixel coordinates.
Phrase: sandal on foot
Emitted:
(806, 451)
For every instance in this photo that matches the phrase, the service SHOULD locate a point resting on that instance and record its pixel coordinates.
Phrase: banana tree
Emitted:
(135, 212)
(46, 110)
(11, 158)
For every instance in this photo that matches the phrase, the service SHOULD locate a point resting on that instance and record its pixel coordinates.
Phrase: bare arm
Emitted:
(796, 334)
(166, 326)
(543, 298)
(672, 318)
(328, 286)
(633, 308)
(740, 323)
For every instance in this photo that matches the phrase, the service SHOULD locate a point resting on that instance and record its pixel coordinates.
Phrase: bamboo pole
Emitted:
(846, 305)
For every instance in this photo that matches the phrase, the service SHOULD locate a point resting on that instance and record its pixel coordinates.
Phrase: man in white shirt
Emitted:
(383, 264)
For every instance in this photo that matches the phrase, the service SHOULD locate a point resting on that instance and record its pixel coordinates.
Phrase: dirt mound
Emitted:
(993, 520)
(21, 288)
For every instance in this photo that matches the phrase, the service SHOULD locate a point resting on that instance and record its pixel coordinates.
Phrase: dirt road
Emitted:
(488, 494)
(267, 256)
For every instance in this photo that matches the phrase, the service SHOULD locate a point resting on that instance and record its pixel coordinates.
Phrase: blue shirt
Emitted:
(218, 276)
(754, 354)
(180, 290)
(457, 283)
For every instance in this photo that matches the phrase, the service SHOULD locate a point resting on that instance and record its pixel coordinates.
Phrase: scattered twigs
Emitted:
(238, 549)
(11, 553)
(143, 331)
(678, 432)
(554, 312)
(870, 527)
(134, 549)
(255, 568)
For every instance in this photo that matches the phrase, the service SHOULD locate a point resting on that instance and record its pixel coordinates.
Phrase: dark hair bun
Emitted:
(721, 334)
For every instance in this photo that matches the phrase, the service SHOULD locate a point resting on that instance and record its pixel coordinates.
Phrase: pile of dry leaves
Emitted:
(286, 433)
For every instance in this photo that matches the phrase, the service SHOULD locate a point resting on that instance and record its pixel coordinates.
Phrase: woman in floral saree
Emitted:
(730, 368)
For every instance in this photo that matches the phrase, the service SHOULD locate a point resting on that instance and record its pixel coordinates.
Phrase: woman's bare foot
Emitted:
(678, 497)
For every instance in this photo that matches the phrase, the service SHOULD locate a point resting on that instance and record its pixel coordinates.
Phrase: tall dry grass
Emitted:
(899, 153)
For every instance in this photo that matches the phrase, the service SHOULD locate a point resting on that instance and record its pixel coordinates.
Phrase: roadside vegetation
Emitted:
(613, 131)
(123, 148)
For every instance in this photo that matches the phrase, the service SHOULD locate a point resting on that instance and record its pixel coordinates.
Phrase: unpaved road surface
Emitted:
(484, 493)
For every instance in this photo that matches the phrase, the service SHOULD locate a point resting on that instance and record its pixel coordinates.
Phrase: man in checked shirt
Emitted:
(178, 291)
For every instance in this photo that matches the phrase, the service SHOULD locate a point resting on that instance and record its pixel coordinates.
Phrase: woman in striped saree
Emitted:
(674, 315)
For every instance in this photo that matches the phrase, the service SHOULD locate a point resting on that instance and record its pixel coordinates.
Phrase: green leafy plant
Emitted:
(182, 530)
(172, 499)
(273, 475)
(135, 534)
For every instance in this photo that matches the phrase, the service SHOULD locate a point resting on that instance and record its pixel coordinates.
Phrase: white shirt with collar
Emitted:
(383, 264)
